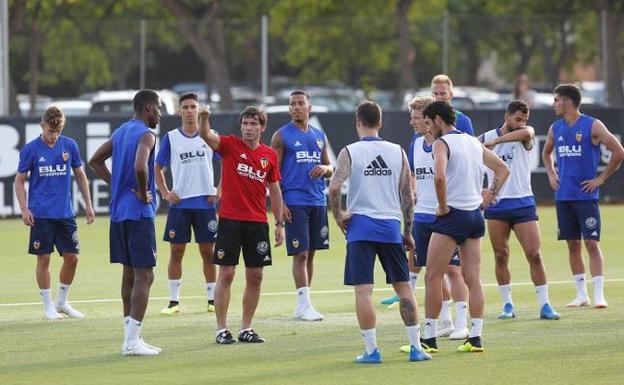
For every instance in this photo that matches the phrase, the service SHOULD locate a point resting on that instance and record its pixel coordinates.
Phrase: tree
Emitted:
(612, 9)
(205, 35)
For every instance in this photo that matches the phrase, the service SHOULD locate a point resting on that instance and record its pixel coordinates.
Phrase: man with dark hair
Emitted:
(577, 138)
(459, 161)
(132, 211)
(303, 156)
(380, 196)
(47, 208)
(191, 199)
(248, 168)
(515, 207)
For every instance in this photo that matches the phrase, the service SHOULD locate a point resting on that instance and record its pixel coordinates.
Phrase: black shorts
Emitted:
(252, 237)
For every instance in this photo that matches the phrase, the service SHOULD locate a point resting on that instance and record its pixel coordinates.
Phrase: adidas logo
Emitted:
(244, 156)
(377, 167)
(560, 138)
(267, 258)
(326, 242)
(297, 144)
(594, 234)
(42, 159)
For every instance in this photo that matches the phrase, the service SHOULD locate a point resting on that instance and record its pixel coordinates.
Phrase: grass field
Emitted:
(584, 347)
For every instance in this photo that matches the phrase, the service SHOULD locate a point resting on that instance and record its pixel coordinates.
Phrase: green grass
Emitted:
(585, 346)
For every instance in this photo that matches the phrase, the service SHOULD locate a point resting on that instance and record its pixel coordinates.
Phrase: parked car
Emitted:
(120, 102)
(73, 107)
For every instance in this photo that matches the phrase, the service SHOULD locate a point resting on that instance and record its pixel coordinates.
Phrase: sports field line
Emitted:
(283, 293)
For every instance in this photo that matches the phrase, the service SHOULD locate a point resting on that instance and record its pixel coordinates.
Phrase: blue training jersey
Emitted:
(49, 189)
(124, 204)
(577, 158)
(463, 123)
(163, 158)
(301, 153)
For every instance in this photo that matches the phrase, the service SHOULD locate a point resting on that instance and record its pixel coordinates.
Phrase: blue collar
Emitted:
(370, 138)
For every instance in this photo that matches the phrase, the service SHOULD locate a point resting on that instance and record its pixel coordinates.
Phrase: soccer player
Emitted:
(421, 164)
(576, 139)
(459, 161)
(191, 200)
(380, 196)
(515, 207)
(303, 157)
(48, 210)
(442, 90)
(132, 211)
(248, 168)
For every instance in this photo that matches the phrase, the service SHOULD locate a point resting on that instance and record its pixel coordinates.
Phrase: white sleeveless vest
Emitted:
(518, 159)
(191, 165)
(426, 198)
(464, 173)
(374, 184)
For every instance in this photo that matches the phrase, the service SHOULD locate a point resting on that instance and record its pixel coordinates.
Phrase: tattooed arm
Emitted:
(407, 203)
(342, 173)
(501, 172)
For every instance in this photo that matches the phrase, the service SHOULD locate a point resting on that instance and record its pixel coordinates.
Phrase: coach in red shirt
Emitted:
(248, 167)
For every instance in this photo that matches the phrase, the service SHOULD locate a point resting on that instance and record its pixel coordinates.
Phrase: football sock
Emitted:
(370, 339)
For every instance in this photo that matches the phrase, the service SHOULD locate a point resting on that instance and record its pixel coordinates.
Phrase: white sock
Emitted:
(461, 311)
(62, 293)
(126, 321)
(174, 289)
(445, 312)
(598, 281)
(581, 286)
(413, 277)
(46, 297)
(370, 340)
(210, 290)
(133, 332)
(477, 326)
(505, 292)
(431, 326)
(542, 294)
(303, 297)
(413, 332)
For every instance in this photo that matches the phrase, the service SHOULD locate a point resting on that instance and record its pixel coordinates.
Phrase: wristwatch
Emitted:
(280, 223)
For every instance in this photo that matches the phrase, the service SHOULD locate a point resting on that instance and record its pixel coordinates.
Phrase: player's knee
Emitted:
(254, 278)
(592, 246)
(534, 257)
(501, 256)
(574, 246)
(70, 259)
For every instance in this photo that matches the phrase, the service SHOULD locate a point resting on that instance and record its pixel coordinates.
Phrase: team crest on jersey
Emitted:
(591, 223)
(36, 245)
(262, 247)
(65, 155)
(212, 225)
(264, 162)
(320, 143)
(172, 233)
(295, 243)
(579, 136)
(324, 232)
(220, 253)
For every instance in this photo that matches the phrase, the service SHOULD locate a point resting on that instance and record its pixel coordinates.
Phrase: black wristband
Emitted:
(280, 223)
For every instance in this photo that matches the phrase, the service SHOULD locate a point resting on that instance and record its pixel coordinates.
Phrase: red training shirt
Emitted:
(245, 173)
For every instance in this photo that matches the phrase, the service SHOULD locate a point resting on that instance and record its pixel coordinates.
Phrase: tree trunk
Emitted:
(406, 52)
(211, 50)
(614, 95)
(33, 69)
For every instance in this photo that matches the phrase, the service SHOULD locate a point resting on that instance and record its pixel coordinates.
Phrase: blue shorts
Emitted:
(422, 234)
(133, 243)
(578, 219)
(515, 216)
(308, 229)
(360, 262)
(180, 221)
(49, 233)
(461, 225)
